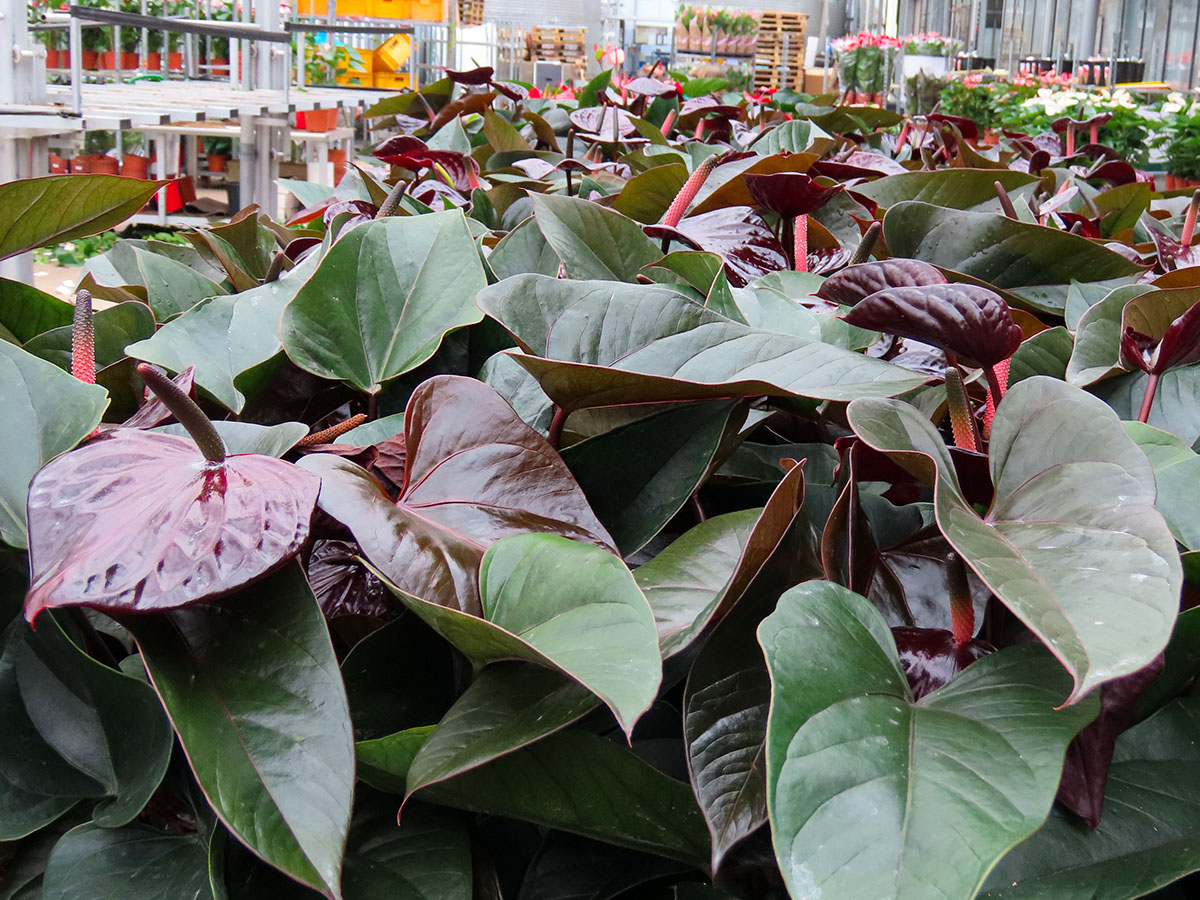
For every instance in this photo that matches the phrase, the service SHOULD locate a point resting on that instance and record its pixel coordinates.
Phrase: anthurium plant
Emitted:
(636, 495)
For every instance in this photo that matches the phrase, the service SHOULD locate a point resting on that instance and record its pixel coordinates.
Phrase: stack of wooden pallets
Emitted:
(470, 12)
(556, 43)
(779, 55)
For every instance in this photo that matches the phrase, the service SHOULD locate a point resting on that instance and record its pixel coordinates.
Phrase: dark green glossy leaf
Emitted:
(171, 286)
(508, 706)
(427, 858)
(1174, 408)
(1097, 351)
(1177, 476)
(591, 241)
(568, 867)
(579, 612)
(104, 723)
(947, 188)
(131, 863)
(666, 348)
(1046, 353)
(46, 412)
(638, 476)
(524, 250)
(228, 339)
(1150, 833)
(590, 786)
(874, 795)
(26, 312)
(383, 297)
(39, 211)
(1033, 261)
(1071, 543)
(253, 689)
(646, 196)
(383, 763)
(796, 136)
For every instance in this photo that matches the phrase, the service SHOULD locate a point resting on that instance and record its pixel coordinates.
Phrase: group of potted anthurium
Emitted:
(635, 494)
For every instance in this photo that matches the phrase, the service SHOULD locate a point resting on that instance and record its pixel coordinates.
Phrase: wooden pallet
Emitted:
(779, 53)
(553, 43)
(470, 12)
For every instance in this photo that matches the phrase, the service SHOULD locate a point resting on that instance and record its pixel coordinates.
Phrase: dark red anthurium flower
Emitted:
(1179, 346)
(931, 657)
(788, 194)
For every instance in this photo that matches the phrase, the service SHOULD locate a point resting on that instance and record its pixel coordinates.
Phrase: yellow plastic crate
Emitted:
(426, 10)
(344, 7)
(391, 81)
(360, 77)
(392, 55)
(391, 9)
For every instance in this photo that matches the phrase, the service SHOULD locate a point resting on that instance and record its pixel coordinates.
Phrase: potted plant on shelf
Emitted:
(134, 162)
(683, 20)
(219, 150)
(98, 147)
(1183, 149)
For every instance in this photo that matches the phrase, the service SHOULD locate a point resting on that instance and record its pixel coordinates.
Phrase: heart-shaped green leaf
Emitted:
(26, 312)
(1033, 261)
(46, 412)
(565, 605)
(115, 329)
(136, 862)
(947, 188)
(600, 344)
(383, 297)
(427, 858)
(229, 339)
(587, 785)
(1177, 476)
(253, 689)
(1072, 543)
(1148, 838)
(874, 795)
(508, 706)
(591, 241)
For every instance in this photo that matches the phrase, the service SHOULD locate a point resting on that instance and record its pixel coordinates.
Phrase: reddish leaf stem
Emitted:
(185, 410)
(1148, 398)
(962, 611)
(83, 339)
(554, 435)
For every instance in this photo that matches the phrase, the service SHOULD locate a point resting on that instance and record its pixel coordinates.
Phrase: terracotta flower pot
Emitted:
(338, 158)
(216, 162)
(52, 59)
(175, 62)
(129, 60)
(58, 165)
(319, 120)
(218, 67)
(82, 164)
(104, 164)
(90, 59)
(154, 62)
(135, 166)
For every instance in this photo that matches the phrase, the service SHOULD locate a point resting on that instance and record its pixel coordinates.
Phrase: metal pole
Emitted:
(76, 66)
(824, 43)
(1195, 46)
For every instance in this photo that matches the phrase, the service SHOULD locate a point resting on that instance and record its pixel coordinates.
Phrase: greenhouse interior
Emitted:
(599, 450)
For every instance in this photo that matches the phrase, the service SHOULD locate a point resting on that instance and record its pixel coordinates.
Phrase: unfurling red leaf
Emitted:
(474, 473)
(788, 194)
(476, 76)
(961, 318)
(853, 283)
(136, 521)
(1161, 330)
(737, 234)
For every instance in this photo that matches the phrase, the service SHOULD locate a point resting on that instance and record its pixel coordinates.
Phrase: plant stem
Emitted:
(1148, 398)
(554, 435)
(1189, 222)
(185, 410)
(800, 245)
(994, 386)
(1006, 203)
(1095, 134)
(962, 611)
(698, 508)
(1070, 140)
(83, 339)
(787, 237)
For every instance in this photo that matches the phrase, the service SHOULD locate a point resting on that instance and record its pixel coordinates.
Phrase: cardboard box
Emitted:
(812, 80)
